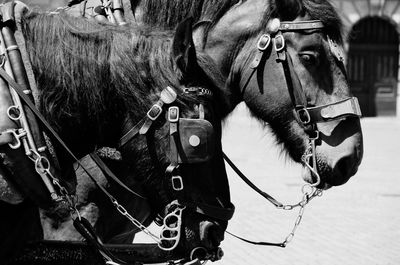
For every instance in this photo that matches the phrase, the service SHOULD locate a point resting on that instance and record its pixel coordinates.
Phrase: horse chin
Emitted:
(201, 238)
(311, 179)
(329, 175)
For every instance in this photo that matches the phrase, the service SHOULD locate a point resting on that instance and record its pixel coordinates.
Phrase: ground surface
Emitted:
(358, 223)
(355, 224)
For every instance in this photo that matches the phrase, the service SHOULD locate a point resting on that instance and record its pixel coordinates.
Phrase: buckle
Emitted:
(304, 115)
(173, 114)
(279, 42)
(264, 42)
(177, 183)
(154, 112)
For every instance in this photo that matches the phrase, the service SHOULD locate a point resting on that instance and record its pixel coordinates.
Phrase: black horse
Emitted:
(96, 83)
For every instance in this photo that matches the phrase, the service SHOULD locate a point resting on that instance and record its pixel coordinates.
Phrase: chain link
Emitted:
(309, 192)
(121, 209)
(42, 167)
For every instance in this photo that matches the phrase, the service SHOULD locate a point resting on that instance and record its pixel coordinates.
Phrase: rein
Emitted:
(307, 114)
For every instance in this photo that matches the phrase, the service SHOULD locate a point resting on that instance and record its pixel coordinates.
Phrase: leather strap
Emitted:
(173, 118)
(106, 170)
(83, 226)
(337, 110)
(131, 133)
(220, 213)
(301, 25)
(251, 184)
(259, 243)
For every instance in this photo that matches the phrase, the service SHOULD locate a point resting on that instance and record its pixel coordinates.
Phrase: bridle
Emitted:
(307, 114)
(187, 137)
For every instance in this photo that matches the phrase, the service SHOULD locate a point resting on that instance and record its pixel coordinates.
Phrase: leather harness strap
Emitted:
(106, 170)
(301, 25)
(336, 110)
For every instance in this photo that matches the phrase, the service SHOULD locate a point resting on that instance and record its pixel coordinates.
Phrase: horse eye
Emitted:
(308, 59)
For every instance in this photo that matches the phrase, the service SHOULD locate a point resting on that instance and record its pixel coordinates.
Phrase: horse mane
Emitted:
(92, 75)
(167, 14)
(326, 12)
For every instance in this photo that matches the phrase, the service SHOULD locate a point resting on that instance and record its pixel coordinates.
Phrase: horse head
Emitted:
(180, 162)
(229, 30)
(284, 59)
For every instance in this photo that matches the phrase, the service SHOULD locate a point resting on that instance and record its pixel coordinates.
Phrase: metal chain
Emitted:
(134, 221)
(308, 195)
(42, 166)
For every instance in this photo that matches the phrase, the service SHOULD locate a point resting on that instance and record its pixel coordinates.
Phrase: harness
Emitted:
(104, 11)
(306, 113)
(191, 142)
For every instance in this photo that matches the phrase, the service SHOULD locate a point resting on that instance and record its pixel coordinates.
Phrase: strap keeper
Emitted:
(303, 115)
(264, 42)
(173, 114)
(177, 183)
(155, 111)
(279, 43)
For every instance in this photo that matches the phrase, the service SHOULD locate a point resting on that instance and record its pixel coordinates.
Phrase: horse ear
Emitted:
(183, 49)
(287, 9)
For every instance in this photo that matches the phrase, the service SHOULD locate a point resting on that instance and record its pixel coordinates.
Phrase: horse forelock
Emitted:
(316, 10)
(326, 12)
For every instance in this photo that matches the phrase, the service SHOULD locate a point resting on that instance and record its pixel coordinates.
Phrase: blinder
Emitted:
(193, 142)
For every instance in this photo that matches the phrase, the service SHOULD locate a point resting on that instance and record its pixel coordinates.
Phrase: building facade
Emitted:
(372, 47)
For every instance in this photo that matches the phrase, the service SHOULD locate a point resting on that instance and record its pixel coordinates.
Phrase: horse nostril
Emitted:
(344, 169)
(211, 234)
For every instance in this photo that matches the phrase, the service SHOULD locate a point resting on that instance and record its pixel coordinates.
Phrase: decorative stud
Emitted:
(194, 140)
(274, 25)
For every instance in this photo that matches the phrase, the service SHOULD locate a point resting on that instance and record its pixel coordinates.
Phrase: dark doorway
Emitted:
(372, 66)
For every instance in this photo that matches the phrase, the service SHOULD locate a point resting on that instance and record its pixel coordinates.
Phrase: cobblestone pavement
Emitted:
(357, 223)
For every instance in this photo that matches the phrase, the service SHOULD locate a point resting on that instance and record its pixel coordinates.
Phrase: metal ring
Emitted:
(303, 113)
(17, 110)
(40, 166)
(282, 39)
(263, 42)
